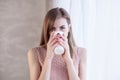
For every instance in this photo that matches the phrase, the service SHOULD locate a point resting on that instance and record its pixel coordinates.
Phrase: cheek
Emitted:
(51, 33)
(66, 34)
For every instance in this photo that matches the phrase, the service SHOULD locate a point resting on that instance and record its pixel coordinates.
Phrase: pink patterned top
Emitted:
(58, 67)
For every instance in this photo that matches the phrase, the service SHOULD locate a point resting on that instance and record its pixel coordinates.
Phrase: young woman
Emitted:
(44, 64)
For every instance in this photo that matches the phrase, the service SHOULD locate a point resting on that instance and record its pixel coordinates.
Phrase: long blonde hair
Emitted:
(49, 20)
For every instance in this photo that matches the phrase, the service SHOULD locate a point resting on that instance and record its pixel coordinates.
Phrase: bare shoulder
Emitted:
(82, 52)
(33, 51)
(32, 55)
(33, 63)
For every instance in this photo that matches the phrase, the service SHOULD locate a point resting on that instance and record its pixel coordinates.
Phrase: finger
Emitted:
(55, 41)
(55, 44)
(62, 43)
(64, 38)
(51, 37)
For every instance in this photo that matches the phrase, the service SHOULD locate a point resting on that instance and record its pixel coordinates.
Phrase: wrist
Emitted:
(49, 56)
(48, 59)
(69, 61)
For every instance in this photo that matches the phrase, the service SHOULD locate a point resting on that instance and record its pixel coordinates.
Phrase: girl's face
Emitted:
(61, 24)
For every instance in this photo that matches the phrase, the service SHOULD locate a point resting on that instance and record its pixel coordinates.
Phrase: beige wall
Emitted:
(20, 28)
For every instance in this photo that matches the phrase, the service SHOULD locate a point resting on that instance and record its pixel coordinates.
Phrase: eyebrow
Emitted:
(60, 26)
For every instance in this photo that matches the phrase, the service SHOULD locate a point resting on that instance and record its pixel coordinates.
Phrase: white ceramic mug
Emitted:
(58, 49)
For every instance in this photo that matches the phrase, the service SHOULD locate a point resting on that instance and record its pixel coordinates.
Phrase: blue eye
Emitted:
(62, 27)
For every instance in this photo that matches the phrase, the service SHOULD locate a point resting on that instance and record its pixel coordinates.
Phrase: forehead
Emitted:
(60, 21)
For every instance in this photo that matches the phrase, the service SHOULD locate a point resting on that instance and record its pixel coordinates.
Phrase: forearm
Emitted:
(45, 74)
(71, 70)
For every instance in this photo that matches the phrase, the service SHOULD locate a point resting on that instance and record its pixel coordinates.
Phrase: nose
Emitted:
(58, 33)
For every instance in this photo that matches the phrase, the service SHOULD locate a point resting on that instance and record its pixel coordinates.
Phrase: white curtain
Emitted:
(102, 24)
(96, 26)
